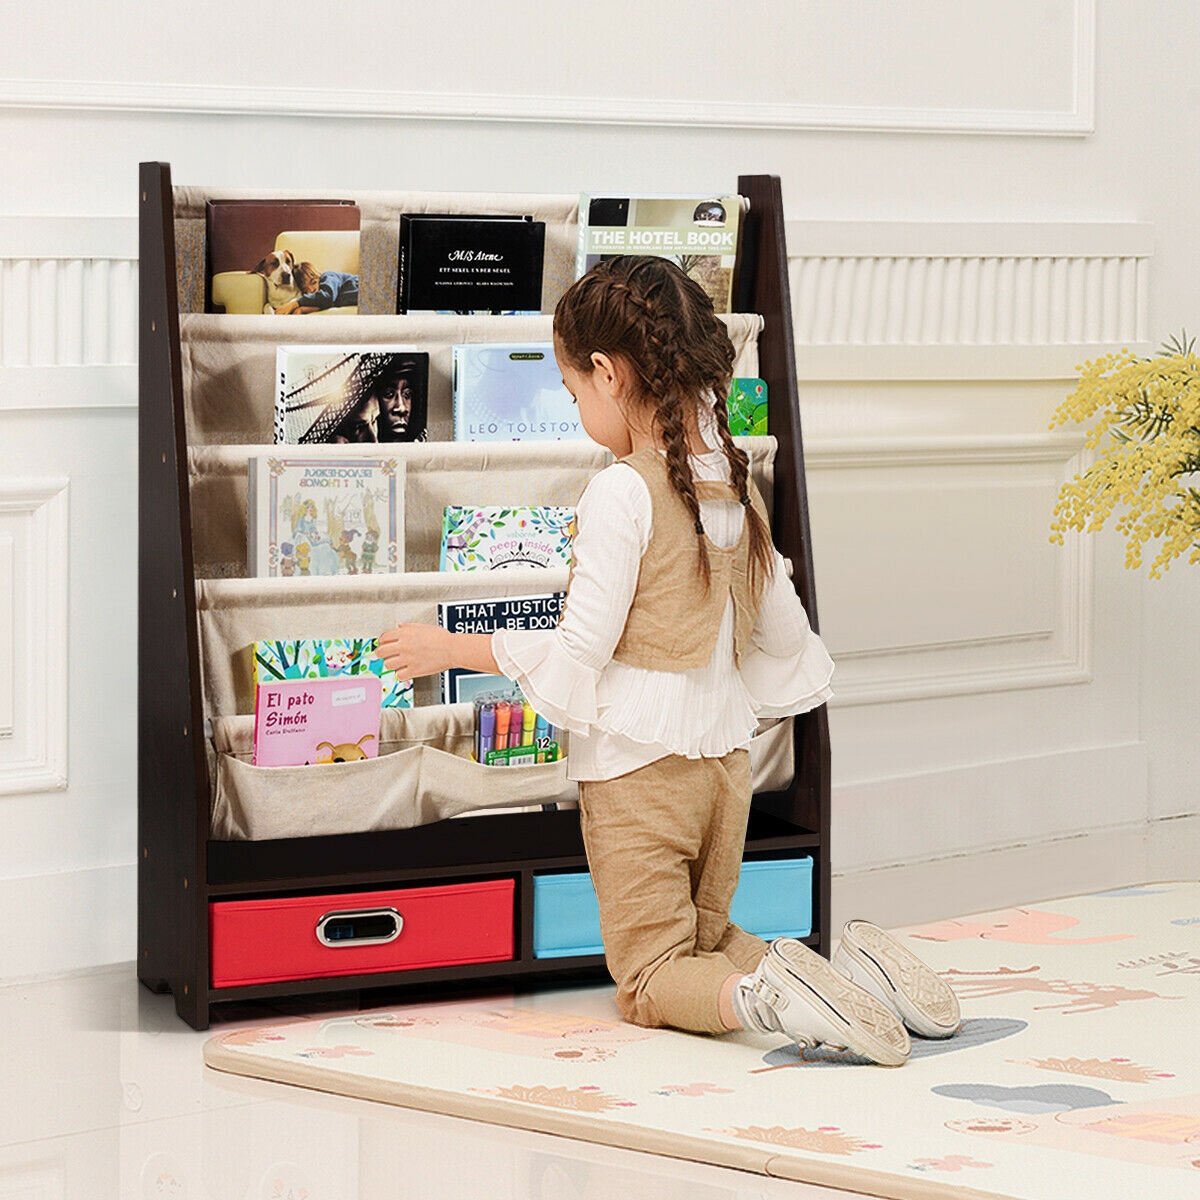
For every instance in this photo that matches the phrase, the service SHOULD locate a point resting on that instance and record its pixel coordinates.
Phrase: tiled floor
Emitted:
(103, 1092)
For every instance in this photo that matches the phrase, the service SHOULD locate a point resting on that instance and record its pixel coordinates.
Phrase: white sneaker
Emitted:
(879, 964)
(796, 992)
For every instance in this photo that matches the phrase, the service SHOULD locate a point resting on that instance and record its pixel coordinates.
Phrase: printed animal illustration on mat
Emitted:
(582, 1099)
(1010, 981)
(1163, 1132)
(975, 1031)
(826, 1139)
(1026, 926)
(1040, 1098)
(564, 1037)
(1100, 1068)
(1176, 963)
(951, 1162)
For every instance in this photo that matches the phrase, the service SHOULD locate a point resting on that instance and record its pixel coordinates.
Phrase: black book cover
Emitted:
(467, 263)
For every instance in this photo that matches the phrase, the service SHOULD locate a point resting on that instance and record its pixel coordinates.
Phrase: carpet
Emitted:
(1076, 1071)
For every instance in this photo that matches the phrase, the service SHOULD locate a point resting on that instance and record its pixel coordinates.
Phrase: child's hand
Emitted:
(415, 650)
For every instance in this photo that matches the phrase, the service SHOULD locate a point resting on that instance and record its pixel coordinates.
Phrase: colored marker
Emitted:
(528, 720)
(540, 732)
(487, 729)
(503, 720)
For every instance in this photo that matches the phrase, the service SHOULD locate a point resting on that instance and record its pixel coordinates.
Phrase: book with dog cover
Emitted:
(302, 722)
(539, 611)
(468, 263)
(491, 537)
(323, 513)
(348, 394)
(506, 392)
(323, 658)
(282, 256)
(699, 234)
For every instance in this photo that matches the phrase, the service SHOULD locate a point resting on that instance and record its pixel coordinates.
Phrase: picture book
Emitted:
(287, 257)
(470, 263)
(345, 394)
(325, 658)
(699, 234)
(325, 514)
(491, 537)
(511, 392)
(747, 407)
(299, 722)
(485, 616)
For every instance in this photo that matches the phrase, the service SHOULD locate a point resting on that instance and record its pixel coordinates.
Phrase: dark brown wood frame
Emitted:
(180, 869)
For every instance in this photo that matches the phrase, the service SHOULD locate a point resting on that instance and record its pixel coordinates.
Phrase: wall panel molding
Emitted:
(1005, 103)
(33, 649)
(955, 624)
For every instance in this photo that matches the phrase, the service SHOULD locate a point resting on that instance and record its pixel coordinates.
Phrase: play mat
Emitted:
(1076, 1072)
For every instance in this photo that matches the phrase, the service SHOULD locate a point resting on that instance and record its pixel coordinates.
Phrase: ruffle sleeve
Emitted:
(560, 688)
(789, 685)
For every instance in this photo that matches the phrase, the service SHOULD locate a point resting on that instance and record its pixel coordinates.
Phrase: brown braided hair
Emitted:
(646, 311)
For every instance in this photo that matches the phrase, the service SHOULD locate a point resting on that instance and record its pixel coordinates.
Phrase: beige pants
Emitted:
(664, 844)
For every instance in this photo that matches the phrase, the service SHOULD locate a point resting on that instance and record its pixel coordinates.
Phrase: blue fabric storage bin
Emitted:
(773, 899)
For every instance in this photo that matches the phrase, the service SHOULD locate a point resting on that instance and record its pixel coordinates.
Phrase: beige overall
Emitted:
(664, 842)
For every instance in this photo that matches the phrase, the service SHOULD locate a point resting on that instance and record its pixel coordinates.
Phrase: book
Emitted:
(326, 658)
(299, 722)
(699, 234)
(470, 263)
(345, 394)
(312, 513)
(540, 611)
(747, 407)
(281, 256)
(511, 392)
(492, 537)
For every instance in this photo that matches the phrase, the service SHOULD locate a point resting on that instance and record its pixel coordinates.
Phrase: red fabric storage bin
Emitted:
(269, 940)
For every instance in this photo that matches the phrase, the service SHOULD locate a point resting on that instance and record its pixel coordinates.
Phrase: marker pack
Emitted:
(508, 733)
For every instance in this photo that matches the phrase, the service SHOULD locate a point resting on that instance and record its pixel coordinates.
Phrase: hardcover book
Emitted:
(325, 514)
(286, 257)
(345, 394)
(491, 537)
(326, 658)
(699, 234)
(747, 408)
(485, 616)
(299, 722)
(467, 263)
(511, 392)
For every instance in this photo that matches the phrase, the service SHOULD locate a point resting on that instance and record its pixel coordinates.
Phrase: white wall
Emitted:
(979, 196)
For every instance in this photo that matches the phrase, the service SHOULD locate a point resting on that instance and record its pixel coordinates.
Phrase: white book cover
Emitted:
(325, 514)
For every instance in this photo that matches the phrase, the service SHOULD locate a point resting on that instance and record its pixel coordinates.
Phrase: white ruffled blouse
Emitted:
(622, 717)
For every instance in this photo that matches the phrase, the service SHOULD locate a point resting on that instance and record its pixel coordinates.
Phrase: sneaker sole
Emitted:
(926, 1001)
(868, 1027)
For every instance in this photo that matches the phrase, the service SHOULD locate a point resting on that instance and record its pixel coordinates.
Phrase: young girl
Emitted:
(680, 631)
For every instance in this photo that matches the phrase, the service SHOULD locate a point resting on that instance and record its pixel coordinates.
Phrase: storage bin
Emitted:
(359, 933)
(773, 899)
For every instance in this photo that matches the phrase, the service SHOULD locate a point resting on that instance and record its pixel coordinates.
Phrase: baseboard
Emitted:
(67, 922)
(1029, 873)
(990, 805)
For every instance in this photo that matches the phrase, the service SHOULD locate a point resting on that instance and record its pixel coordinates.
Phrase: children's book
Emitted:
(291, 257)
(491, 537)
(485, 616)
(470, 263)
(699, 234)
(314, 513)
(325, 658)
(511, 392)
(747, 408)
(346, 394)
(298, 722)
